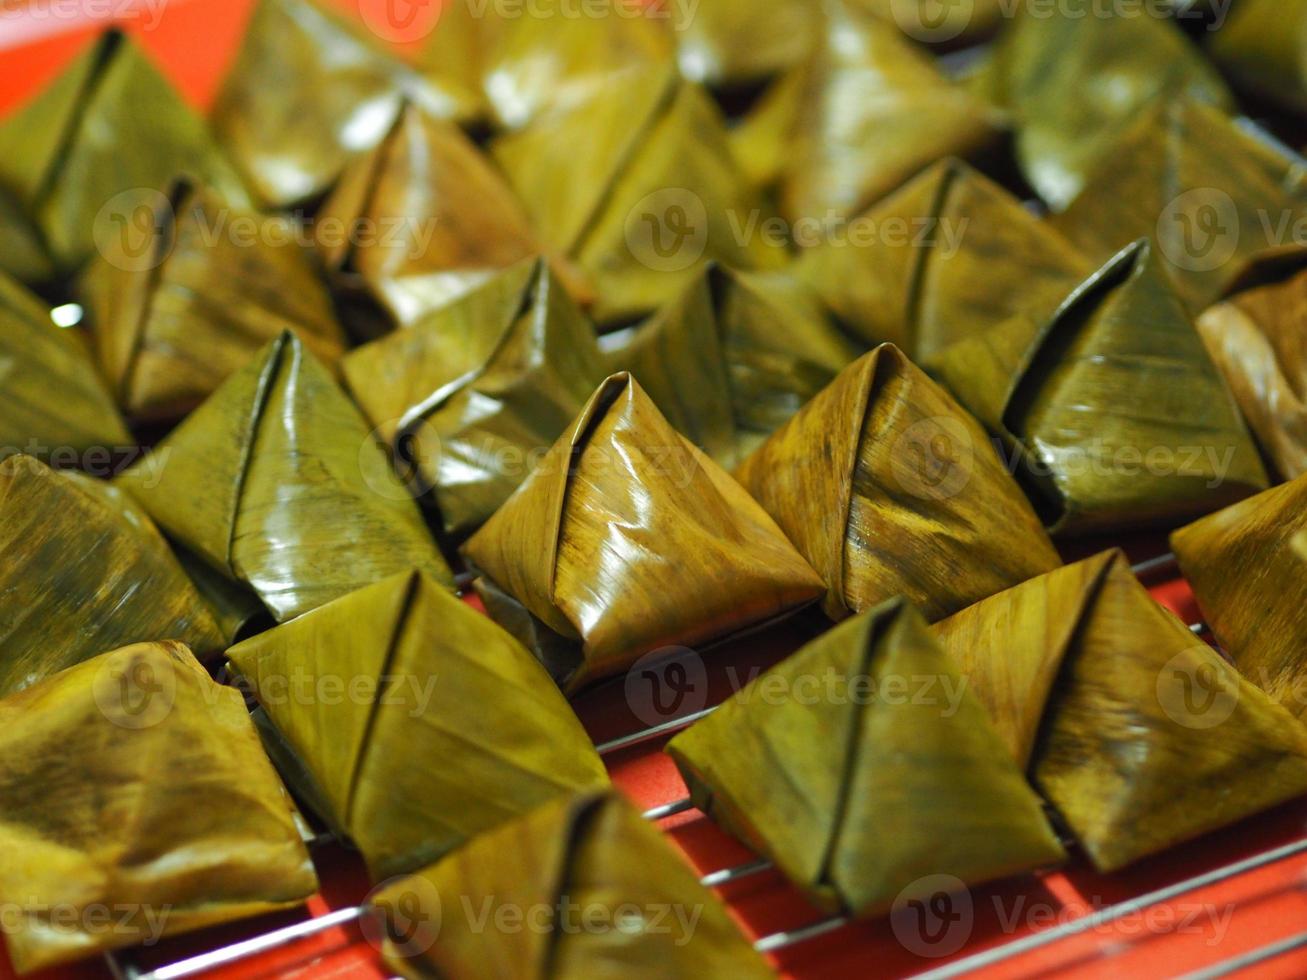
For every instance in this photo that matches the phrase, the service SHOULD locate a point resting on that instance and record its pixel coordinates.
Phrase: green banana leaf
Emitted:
(1263, 46)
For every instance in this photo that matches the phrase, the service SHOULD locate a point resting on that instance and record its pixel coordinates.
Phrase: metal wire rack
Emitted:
(783, 939)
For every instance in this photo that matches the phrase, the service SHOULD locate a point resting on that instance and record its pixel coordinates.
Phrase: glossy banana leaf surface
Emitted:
(22, 253)
(1263, 47)
(110, 123)
(84, 572)
(51, 396)
(1113, 406)
(1256, 338)
(277, 483)
(1074, 83)
(101, 770)
(888, 487)
(450, 728)
(475, 393)
(1136, 731)
(1248, 578)
(193, 294)
(726, 44)
(626, 539)
(858, 792)
(590, 851)
(945, 257)
(308, 92)
(942, 24)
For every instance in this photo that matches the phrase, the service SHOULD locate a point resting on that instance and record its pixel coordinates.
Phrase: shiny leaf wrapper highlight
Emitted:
(726, 44)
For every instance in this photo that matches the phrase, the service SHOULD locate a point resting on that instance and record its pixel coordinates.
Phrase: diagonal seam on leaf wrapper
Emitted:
(582, 815)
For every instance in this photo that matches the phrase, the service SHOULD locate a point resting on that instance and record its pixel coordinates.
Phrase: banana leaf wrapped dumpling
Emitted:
(22, 254)
(860, 791)
(647, 915)
(626, 539)
(889, 488)
(458, 728)
(1263, 47)
(726, 44)
(1146, 737)
(277, 483)
(101, 768)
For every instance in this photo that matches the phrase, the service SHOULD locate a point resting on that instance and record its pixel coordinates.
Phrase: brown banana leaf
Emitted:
(132, 784)
(1074, 84)
(110, 123)
(22, 253)
(626, 538)
(1248, 579)
(887, 487)
(732, 43)
(587, 852)
(1256, 338)
(949, 255)
(1211, 193)
(1263, 46)
(84, 572)
(1146, 737)
(193, 302)
(277, 483)
(858, 793)
(639, 188)
(471, 396)
(1112, 405)
(51, 396)
(309, 92)
(235, 609)
(456, 728)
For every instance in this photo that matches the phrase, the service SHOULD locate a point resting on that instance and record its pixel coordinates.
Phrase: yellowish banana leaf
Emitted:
(22, 253)
(639, 187)
(587, 852)
(308, 92)
(277, 482)
(1263, 47)
(945, 257)
(1074, 84)
(856, 789)
(948, 25)
(134, 788)
(887, 487)
(1300, 546)
(1210, 192)
(1136, 731)
(626, 538)
(760, 139)
(1249, 581)
(236, 610)
(729, 44)
(109, 124)
(179, 311)
(1117, 413)
(472, 395)
(51, 396)
(452, 57)
(84, 572)
(1256, 338)
(449, 727)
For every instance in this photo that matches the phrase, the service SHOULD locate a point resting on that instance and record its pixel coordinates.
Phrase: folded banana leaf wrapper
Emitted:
(84, 571)
(22, 253)
(1213, 194)
(1136, 731)
(626, 539)
(945, 257)
(193, 294)
(1113, 407)
(646, 915)
(310, 91)
(888, 487)
(108, 125)
(944, 25)
(1074, 84)
(730, 44)
(1247, 575)
(471, 396)
(105, 845)
(451, 726)
(278, 484)
(1263, 47)
(51, 395)
(1256, 338)
(856, 791)
(638, 187)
